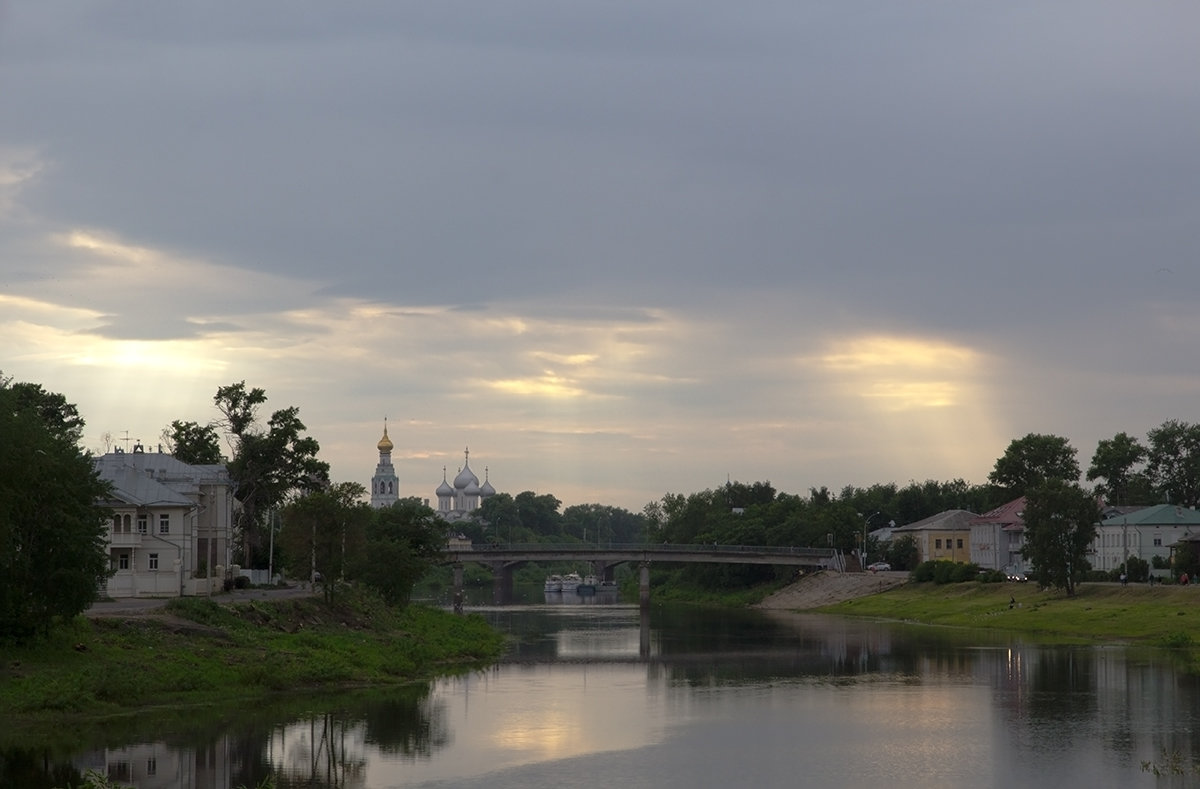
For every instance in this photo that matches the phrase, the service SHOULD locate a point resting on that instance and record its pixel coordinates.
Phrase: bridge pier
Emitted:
(458, 593)
(644, 584)
(502, 584)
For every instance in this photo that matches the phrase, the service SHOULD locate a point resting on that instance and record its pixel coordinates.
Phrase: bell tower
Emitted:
(385, 486)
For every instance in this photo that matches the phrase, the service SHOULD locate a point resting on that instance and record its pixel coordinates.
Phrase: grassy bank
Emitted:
(1165, 615)
(197, 651)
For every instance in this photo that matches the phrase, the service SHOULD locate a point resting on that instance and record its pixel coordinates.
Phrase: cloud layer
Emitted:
(618, 250)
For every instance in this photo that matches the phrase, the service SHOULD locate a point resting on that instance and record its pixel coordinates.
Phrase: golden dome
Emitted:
(385, 443)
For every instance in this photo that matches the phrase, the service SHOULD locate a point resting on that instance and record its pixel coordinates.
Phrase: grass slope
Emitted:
(200, 651)
(1167, 615)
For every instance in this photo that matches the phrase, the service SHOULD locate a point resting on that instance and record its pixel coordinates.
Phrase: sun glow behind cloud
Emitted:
(913, 401)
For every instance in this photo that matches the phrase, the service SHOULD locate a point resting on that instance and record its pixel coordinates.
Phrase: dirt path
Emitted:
(828, 587)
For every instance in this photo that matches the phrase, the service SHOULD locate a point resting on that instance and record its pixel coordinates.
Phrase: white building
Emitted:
(385, 485)
(1142, 534)
(459, 500)
(171, 525)
(997, 537)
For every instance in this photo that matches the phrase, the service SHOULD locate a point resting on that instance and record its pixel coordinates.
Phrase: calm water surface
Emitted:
(606, 695)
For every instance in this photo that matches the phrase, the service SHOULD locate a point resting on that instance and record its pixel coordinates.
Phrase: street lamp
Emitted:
(866, 522)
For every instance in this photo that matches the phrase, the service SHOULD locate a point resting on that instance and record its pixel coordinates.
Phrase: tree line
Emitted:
(52, 528)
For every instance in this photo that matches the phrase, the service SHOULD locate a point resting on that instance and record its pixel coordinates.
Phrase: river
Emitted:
(602, 694)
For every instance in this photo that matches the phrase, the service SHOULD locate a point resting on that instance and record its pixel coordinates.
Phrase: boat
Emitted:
(554, 583)
(588, 586)
(571, 582)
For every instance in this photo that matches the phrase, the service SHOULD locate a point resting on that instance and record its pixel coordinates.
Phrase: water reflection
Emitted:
(695, 697)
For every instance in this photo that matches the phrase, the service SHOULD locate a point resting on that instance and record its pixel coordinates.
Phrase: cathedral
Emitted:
(454, 501)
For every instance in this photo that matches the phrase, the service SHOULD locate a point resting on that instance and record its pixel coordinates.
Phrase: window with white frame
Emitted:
(153, 561)
(143, 524)
(164, 524)
(123, 561)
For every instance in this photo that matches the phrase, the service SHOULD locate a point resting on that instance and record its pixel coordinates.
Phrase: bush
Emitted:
(241, 582)
(944, 571)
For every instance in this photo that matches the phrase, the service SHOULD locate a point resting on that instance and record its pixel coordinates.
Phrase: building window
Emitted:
(1158, 542)
(142, 524)
(959, 542)
(154, 561)
(151, 766)
(937, 544)
(123, 561)
(127, 522)
(164, 523)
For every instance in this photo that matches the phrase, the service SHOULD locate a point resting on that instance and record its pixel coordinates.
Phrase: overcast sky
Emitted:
(617, 249)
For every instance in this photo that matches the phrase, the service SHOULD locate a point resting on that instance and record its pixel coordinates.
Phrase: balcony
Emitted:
(125, 539)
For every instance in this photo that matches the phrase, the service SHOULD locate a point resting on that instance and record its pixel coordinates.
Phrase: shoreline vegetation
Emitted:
(196, 652)
(1098, 613)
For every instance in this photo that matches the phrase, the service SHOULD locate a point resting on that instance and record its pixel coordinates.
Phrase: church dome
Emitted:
(486, 488)
(444, 489)
(466, 476)
(385, 443)
(472, 488)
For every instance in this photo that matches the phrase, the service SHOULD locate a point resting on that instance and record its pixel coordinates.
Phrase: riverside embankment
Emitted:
(1098, 612)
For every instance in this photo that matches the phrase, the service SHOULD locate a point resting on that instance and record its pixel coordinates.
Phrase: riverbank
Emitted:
(1099, 612)
(825, 588)
(194, 651)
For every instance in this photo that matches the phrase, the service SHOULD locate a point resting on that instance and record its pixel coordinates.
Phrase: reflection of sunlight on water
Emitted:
(598, 643)
(517, 715)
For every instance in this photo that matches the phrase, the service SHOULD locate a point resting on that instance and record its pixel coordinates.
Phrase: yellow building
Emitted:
(946, 535)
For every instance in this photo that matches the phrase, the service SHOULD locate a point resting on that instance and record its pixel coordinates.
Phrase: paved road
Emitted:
(140, 605)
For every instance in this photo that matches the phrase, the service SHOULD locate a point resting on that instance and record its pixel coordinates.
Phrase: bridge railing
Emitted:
(542, 547)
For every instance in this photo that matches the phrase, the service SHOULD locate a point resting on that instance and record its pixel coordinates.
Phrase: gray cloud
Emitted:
(444, 203)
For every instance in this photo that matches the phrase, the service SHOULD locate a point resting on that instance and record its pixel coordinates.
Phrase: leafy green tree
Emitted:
(539, 514)
(1060, 525)
(268, 464)
(1173, 461)
(498, 518)
(600, 524)
(1186, 560)
(1032, 460)
(192, 443)
(403, 543)
(903, 553)
(1116, 462)
(53, 559)
(324, 532)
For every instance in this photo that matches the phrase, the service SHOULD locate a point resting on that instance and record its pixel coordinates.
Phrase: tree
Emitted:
(903, 552)
(1173, 461)
(267, 465)
(1060, 524)
(192, 443)
(1115, 462)
(403, 542)
(53, 559)
(324, 533)
(1032, 460)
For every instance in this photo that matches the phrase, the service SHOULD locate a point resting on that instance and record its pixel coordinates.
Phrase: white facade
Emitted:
(171, 525)
(998, 536)
(1142, 534)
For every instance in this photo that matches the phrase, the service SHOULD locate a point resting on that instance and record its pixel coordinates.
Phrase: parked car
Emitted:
(1014, 575)
(877, 567)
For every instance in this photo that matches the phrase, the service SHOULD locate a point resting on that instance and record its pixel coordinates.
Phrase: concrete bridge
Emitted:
(603, 559)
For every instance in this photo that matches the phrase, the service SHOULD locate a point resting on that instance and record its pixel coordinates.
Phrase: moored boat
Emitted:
(554, 583)
(571, 582)
(588, 586)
